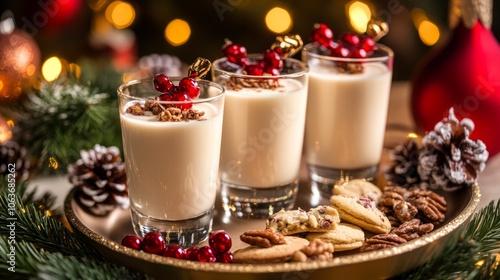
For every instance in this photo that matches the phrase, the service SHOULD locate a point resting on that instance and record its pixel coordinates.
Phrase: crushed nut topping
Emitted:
(349, 67)
(262, 238)
(235, 83)
(168, 114)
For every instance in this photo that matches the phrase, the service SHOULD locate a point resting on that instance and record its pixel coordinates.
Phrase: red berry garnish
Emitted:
(132, 241)
(220, 241)
(205, 254)
(234, 53)
(272, 71)
(273, 59)
(358, 53)
(227, 257)
(190, 87)
(192, 253)
(254, 70)
(367, 44)
(340, 51)
(322, 34)
(174, 251)
(179, 95)
(162, 83)
(153, 243)
(350, 38)
(166, 97)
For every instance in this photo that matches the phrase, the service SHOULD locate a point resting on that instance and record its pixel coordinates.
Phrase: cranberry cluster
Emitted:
(218, 250)
(270, 64)
(348, 46)
(187, 90)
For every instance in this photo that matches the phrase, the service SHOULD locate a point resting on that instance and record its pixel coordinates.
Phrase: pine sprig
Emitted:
(31, 262)
(39, 227)
(471, 254)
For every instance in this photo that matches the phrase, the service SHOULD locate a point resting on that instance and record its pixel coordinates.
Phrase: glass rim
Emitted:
(121, 93)
(311, 47)
(304, 69)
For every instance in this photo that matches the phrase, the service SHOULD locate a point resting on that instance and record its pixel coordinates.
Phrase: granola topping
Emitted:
(165, 114)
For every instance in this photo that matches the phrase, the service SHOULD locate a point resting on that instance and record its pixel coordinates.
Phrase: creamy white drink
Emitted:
(172, 167)
(263, 134)
(346, 115)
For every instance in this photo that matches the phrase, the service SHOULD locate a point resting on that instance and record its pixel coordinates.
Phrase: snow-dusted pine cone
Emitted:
(404, 158)
(13, 160)
(100, 180)
(449, 159)
(166, 64)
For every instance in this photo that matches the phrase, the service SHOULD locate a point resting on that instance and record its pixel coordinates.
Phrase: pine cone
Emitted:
(405, 163)
(449, 159)
(100, 180)
(161, 64)
(13, 156)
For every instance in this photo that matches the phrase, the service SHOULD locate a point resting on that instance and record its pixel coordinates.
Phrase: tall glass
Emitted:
(262, 137)
(172, 167)
(346, 115)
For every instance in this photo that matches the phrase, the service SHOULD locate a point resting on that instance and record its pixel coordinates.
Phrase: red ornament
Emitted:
(465, 75)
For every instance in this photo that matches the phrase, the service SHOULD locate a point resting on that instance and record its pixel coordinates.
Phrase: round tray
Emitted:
(105, 234)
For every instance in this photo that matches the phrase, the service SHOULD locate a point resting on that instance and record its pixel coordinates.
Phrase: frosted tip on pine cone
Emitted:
(13, 160)
(100, 180)
(449, 159)
(404, 157)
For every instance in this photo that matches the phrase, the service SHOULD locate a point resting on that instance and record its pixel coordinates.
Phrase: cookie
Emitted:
(358, 188)
(274, 254)
(343, 238)
(361, 212)
(319, 219)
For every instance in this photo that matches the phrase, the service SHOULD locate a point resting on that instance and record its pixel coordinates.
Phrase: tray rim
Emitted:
(358, 258)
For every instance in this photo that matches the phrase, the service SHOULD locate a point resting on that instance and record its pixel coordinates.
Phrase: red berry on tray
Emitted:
(190, 87)
(162, 83)
(322, 34)
(350, 38)
(227, 257)
(174, 251)
(132, 241)
(235, 53)
(220, 241)
(153, 243)
(205, 254)
(192, 253)
(254, 70)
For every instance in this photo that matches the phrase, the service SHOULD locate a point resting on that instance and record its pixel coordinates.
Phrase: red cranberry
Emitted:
(227, 257)
(190, 87)
(181, 96)
(220, 241)
(273, 59)
(358, 53)
(235, 53)
(153, 243)
(367, 44)
(205, 254)
(260, 63)
(166, 97)
(132, 241)
(350, 38)
(254, 70)
(278, 50)
(192, 253)
(322, 34)
(339, 51)
(272, 71)
(174, 251)
(162, 83)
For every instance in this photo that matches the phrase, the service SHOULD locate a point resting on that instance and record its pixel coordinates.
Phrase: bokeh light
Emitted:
(278, 20)
(120, 14)
(51, 69)
(177, 32)
(359, 15)
(5, 132)
(428, 32)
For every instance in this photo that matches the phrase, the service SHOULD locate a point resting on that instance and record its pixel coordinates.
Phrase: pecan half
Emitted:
(413, 229)
(381, 241)
(316, 250)
(404, 211)
(262, 238)
(430, 204)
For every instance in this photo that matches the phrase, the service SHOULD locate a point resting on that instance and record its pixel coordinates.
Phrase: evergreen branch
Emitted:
(477, 243)
(31, 262)
(39, 227)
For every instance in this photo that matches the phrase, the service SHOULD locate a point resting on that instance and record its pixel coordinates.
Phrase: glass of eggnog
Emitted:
(347, 107)
(171, 148)
(262, 135)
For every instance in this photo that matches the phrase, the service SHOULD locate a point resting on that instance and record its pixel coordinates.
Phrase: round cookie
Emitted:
(361, 212)
(276, 253)
(319, 219)
(344, 237)
(358, 188)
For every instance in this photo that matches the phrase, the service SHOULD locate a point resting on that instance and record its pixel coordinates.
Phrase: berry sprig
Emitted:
(188, 88)
(349, 45)
(153, 242)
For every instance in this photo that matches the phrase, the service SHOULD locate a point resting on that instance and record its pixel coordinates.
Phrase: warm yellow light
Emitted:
(75, 70)
(428, 32)
(120, 14)
(177, 32)
(417, 16)
(5, 133)
(53, 163)
(412, 135)
(51, 69)
(30, 70)
(278, 20)
(359, 15)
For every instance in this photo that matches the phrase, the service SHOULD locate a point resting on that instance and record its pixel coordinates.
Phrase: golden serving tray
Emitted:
(105, 234)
